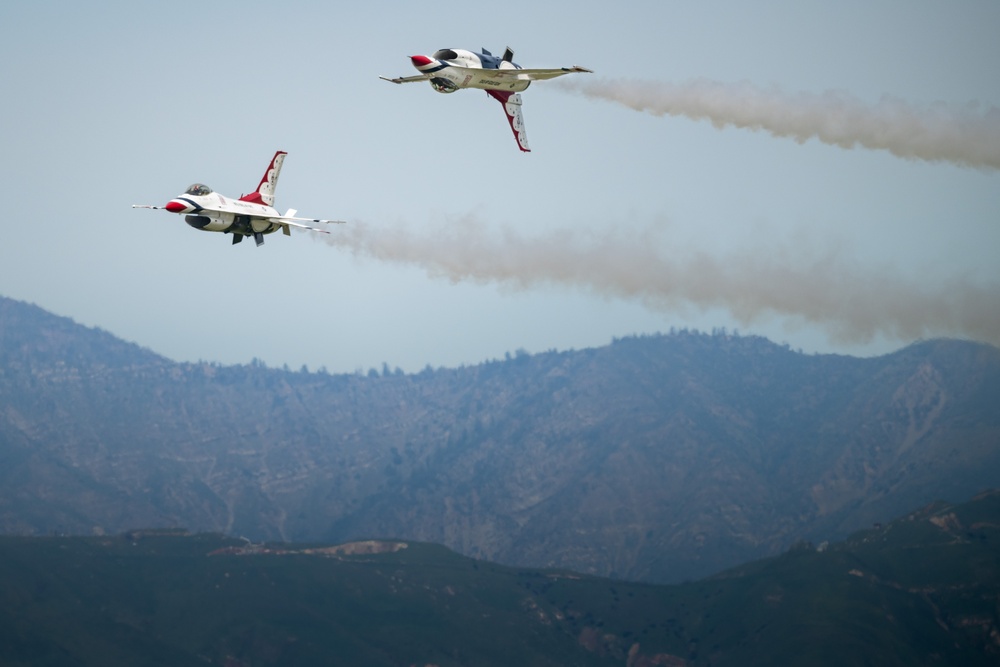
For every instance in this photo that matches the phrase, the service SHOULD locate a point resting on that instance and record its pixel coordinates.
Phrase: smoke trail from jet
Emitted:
(968, 136)
(852, 303)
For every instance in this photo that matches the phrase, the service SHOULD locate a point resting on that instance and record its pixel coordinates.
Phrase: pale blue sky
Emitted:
(107, 104)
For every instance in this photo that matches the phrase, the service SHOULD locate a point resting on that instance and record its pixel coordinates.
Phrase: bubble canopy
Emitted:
(199, 190)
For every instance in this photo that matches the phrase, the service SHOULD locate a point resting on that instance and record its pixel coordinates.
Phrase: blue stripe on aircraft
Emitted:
(196, 207)
(441, 66)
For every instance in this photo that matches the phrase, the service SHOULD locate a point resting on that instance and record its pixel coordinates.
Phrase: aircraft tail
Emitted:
(512, 107)
(264, 194)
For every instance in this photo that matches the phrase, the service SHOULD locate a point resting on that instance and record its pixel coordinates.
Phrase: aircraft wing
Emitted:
(520, 74)
(541, 74)
(407, 79)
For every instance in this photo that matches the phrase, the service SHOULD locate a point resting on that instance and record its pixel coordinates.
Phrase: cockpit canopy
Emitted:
(445, 54)
(443, 85)
(199, 190)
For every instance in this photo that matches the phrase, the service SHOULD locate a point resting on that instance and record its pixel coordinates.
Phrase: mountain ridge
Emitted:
(659, 458)
(923, 589)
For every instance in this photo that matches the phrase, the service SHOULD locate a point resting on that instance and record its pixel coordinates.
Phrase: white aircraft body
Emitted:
(449, 70)
(250, 215)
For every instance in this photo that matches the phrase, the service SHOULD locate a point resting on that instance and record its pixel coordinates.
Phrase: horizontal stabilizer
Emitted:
(289, 220)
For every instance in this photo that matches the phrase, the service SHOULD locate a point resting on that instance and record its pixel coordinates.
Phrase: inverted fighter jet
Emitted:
(449, 70)
(250, 215)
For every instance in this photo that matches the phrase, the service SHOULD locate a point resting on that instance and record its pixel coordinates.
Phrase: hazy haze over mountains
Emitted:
(659, 458)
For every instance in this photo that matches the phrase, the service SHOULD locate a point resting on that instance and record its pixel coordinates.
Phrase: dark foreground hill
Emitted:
(923, 590)
(660, 458)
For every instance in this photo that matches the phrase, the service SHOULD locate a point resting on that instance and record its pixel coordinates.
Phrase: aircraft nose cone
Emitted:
(175, 206)
(420, 61)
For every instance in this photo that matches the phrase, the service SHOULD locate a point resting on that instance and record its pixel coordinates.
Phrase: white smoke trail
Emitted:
(967, 136)
(852, 303)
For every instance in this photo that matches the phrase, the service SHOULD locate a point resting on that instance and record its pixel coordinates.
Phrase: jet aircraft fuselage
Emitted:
(250, 215)
(449, 70)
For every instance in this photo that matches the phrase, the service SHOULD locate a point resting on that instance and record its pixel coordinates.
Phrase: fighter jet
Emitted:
(449, 70)
(250, 215)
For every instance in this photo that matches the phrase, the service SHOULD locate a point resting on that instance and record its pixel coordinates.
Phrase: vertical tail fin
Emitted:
(264, 194)
(512, 107)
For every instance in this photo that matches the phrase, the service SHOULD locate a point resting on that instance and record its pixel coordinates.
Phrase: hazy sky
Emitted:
(823, 174)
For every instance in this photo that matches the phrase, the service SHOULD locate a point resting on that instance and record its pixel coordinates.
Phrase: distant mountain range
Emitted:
(658, 458)
(920, 591)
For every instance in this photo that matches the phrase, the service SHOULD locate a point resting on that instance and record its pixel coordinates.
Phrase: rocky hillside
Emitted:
(922, 590)
(660, 458)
